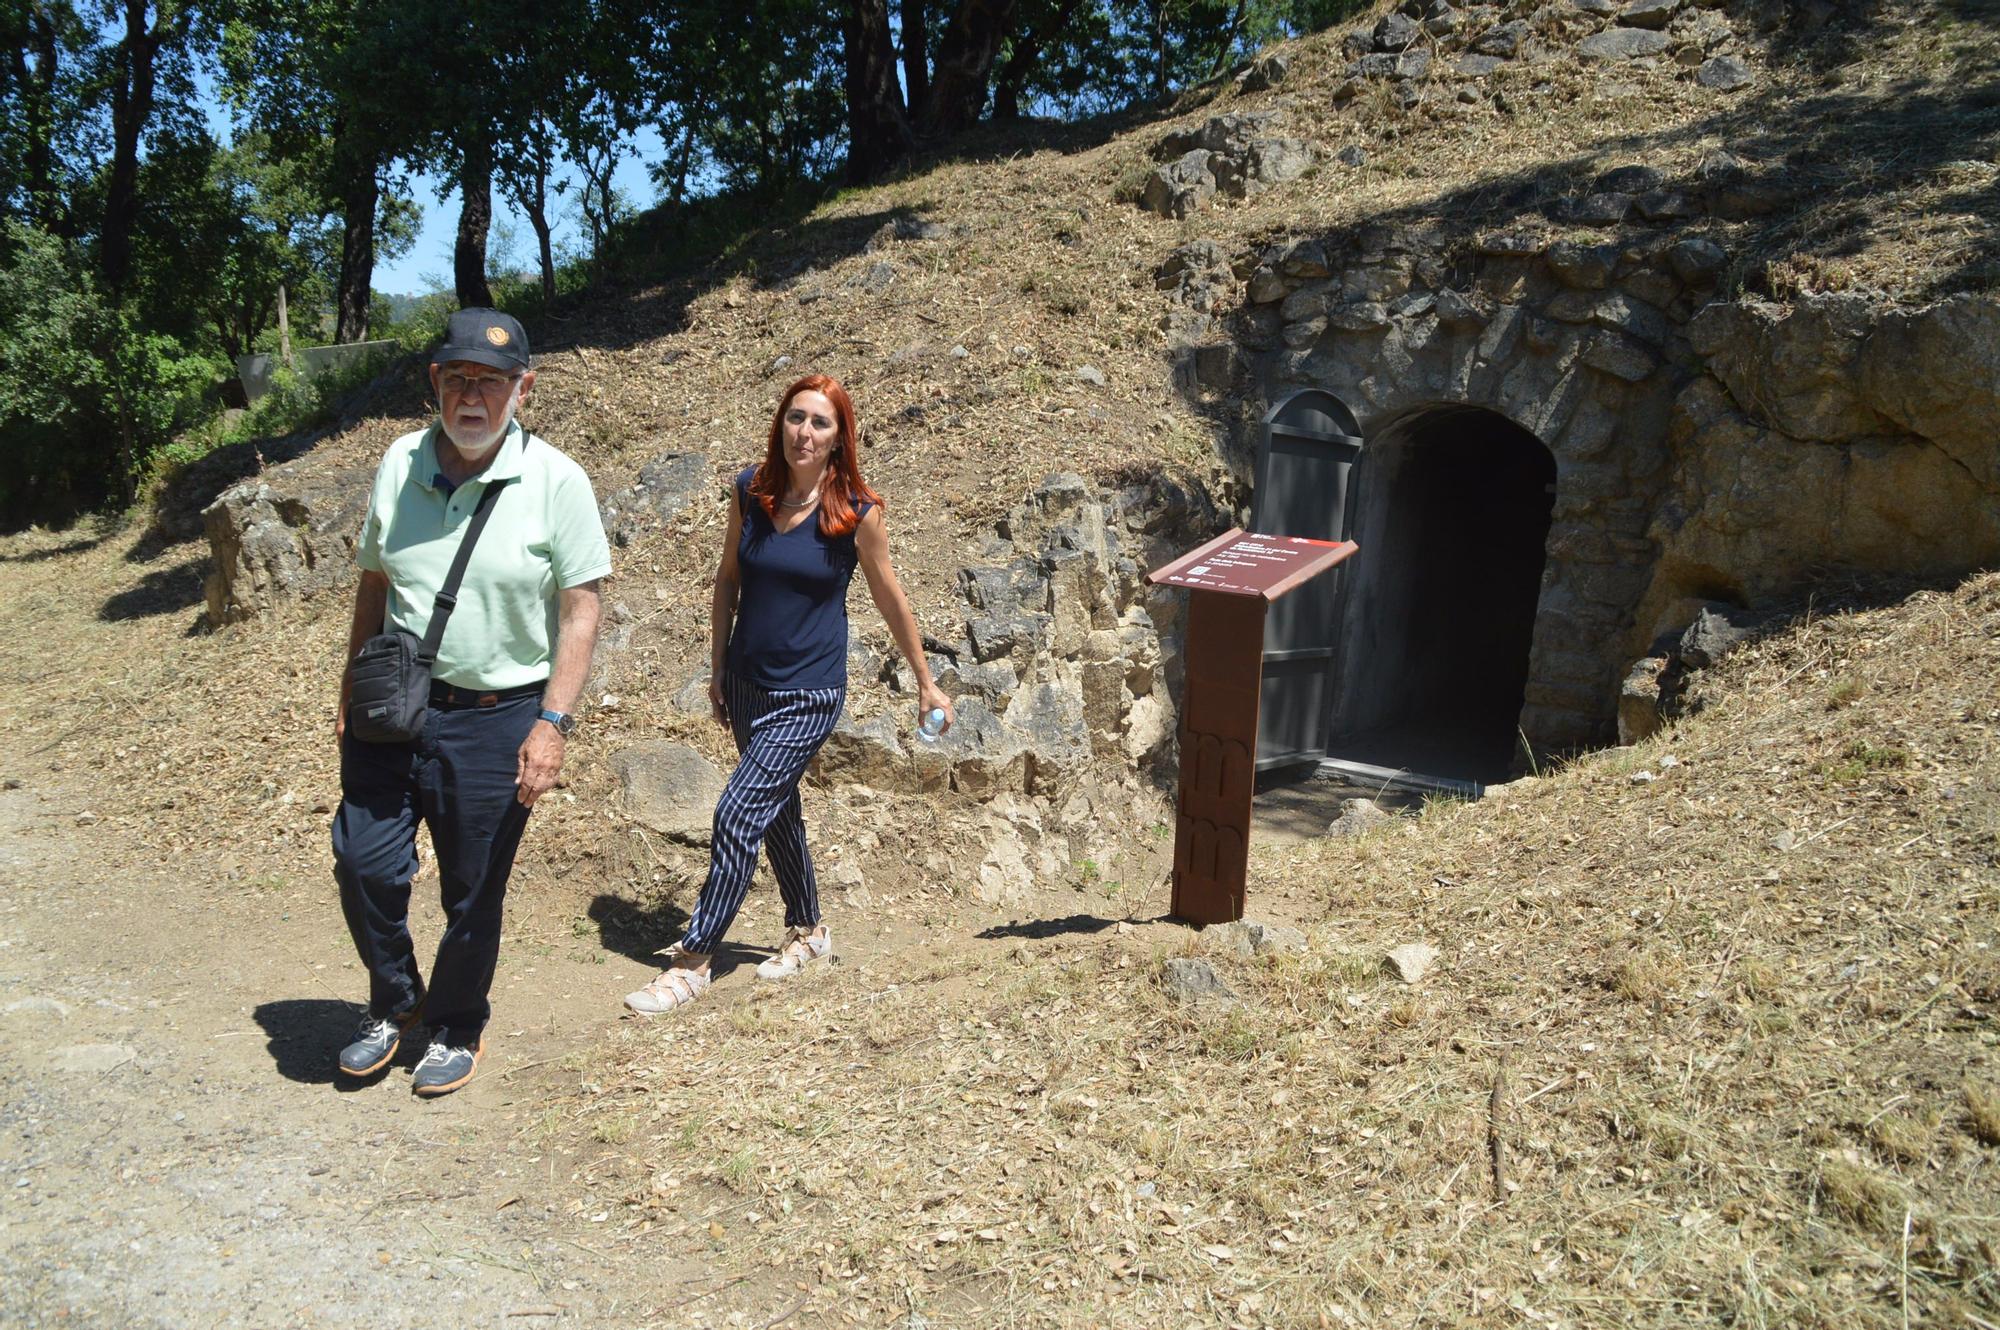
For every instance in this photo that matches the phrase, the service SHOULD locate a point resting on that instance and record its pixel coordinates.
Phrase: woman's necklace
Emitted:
(806, 502)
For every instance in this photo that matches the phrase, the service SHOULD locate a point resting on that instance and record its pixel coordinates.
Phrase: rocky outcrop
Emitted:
(669, 788)
(1234, 155)
(1440, 53)
(665, 486)
(1066, 654)
(281, 537)
(1836, 432)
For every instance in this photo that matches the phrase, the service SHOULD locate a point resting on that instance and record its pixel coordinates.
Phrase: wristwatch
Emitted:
(562, 720)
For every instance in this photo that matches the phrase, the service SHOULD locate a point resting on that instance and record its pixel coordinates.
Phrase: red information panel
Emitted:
(1242, 563)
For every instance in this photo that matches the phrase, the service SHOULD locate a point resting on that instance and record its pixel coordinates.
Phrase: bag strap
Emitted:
(447, 596)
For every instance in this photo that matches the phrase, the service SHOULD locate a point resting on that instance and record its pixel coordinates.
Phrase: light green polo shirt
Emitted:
(544, 535)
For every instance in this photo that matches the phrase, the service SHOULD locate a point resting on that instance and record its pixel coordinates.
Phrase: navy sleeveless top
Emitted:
(791, 604)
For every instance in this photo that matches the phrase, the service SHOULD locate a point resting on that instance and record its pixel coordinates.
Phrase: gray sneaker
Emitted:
(374, 1044)
(443, 1068)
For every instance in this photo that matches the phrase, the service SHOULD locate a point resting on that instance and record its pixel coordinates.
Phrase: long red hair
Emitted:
(842, 487)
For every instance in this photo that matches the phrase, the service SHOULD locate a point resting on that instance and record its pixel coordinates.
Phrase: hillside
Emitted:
(1729, 1025)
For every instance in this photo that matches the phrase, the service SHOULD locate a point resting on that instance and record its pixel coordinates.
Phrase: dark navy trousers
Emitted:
(777, 734)
(458, 777)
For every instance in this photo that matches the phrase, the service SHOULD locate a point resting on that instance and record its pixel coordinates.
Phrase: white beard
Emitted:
(476, 445)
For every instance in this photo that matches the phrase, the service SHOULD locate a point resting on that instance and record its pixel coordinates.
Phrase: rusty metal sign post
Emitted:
(1232, 580)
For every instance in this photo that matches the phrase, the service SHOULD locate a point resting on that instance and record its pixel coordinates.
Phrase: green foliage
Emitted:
(295, 402)
(87, 393)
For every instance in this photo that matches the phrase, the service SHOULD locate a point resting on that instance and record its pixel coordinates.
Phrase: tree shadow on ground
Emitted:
(656, 280)
(1820, 178)
(162, 591)
(305, 1036)
(61, 551)
(644, 932)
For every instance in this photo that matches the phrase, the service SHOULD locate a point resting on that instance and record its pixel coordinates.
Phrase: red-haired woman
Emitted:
(798, 524)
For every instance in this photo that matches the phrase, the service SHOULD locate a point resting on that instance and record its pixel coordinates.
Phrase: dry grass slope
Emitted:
(1713, 1046)
(1741, 1015)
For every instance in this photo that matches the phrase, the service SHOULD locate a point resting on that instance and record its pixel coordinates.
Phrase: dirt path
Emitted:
(179, 1152)
(175, 980)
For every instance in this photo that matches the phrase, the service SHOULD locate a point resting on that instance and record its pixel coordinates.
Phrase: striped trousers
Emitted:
(777, 734)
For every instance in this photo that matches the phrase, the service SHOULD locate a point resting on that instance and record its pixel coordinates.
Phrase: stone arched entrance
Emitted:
(1452, 512)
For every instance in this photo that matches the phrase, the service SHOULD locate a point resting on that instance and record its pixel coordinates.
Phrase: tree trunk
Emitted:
(475, 218)
(1027, 53)
(878, 127)
(131, 107)
(599, 164)
(538, 217)
(916, 52)
(38, 117)
(359, 193)
(683, 163)
(1228, 41)
(965, 58)
(1160, 80)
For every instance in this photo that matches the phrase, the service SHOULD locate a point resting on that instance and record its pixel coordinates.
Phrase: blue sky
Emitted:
(428, 264)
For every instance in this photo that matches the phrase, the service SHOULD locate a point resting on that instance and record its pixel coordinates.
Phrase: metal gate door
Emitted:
(1309, 446)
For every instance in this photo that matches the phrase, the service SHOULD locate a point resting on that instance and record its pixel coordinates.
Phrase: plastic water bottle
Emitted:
(931, 725)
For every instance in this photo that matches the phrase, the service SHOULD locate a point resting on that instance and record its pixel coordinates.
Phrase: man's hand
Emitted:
(538, 763)
(718, 706)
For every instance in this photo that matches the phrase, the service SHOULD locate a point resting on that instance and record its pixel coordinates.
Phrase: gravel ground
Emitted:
(177, 1153)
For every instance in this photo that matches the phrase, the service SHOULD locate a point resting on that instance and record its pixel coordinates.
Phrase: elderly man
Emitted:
(511, 664)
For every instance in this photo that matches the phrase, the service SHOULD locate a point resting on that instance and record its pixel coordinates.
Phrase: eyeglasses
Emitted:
(486, 385)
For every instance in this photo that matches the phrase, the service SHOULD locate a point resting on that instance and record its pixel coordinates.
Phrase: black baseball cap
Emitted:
(485, 337)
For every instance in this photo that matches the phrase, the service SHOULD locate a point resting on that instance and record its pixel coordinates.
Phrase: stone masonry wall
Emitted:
(1705, 449)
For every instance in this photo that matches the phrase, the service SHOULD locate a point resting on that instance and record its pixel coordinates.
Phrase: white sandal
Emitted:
(675, 987)
(802, 947)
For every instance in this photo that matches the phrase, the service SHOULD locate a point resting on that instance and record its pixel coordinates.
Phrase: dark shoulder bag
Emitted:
(391, 674)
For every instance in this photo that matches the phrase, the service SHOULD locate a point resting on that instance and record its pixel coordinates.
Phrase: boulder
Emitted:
(978, 756)
(1193, 980)
(1639, 699)
(916, 228)
(1503, 40)
(1180, 187)
(872, 280)
(691, 698)
(1265, 73)
(1653, 14)
(1050, 726)
(1396, 32)
(1604, 208)
(1244, 938)
(665, 486)
(1634, 179)
(281, 537)
(1697, 261)
(1004, 877)
(1234, 154)
(1724, 73)
(1584, 267)
(870, 753)
(1622, 44)
(1718, 630)
(1357, 817)
(668, 787)
(1411, 961)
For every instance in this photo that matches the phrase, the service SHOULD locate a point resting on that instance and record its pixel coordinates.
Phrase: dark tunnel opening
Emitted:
(1452, 515)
